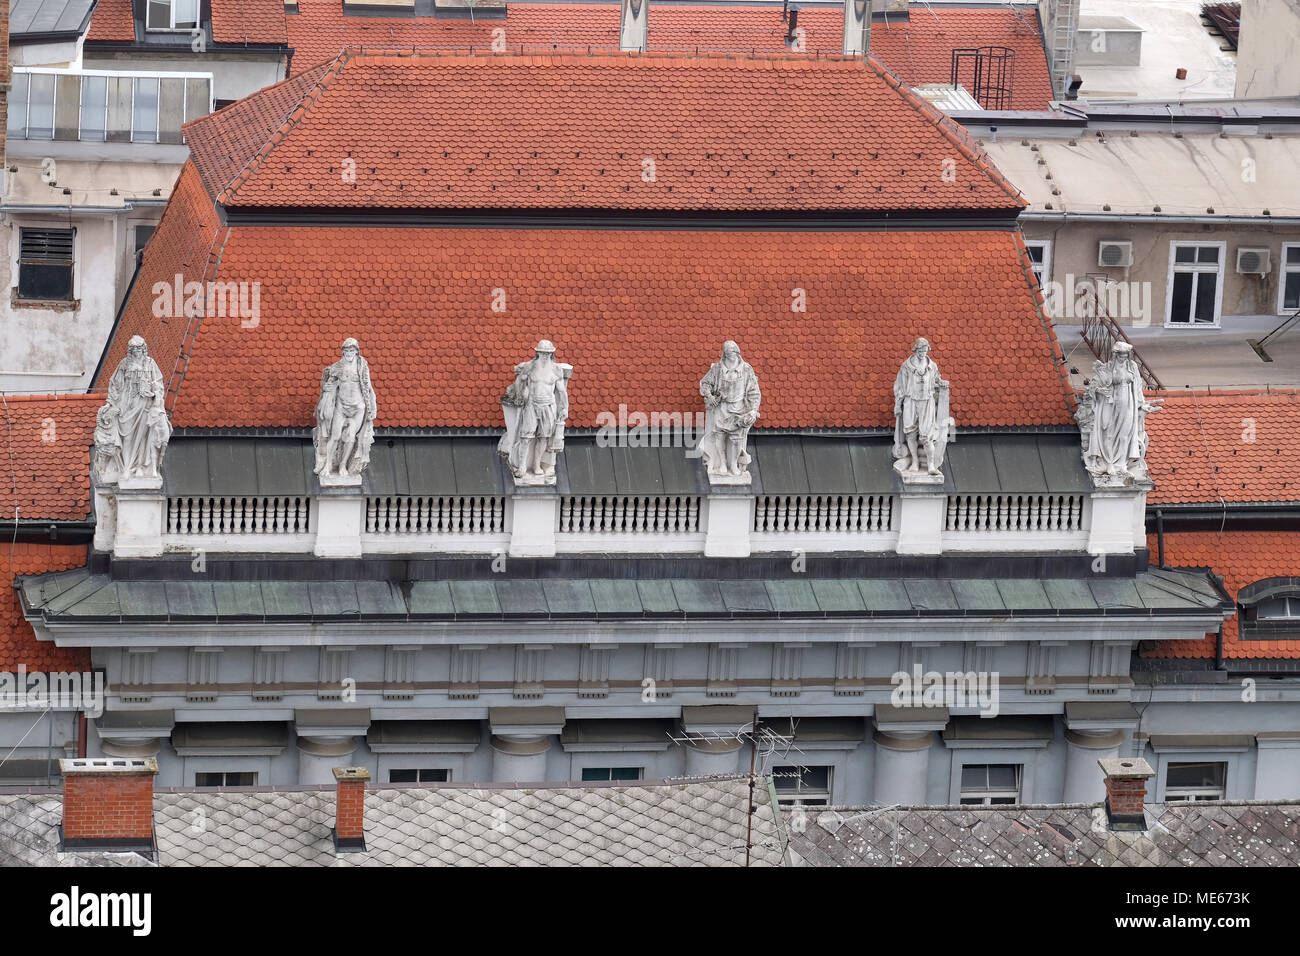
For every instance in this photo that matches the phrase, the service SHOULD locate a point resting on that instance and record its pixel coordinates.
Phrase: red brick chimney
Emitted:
(107, 803)
(350, 809)
(1126, 786)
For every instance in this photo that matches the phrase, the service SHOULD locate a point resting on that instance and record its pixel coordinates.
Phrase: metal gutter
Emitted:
(1052, 216)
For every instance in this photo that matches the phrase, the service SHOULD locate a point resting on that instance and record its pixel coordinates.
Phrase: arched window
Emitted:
(1270, 610)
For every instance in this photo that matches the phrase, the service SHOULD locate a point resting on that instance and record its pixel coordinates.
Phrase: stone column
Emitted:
(534, 518)
(340, 521)
(1118, 519)
(902, 767)
(1084, 781)
(731, 516)
(921, 513)
(708, 756)
(519, 758)
(1277, 767)
(140, 747)
(318, 756)
(141, 518)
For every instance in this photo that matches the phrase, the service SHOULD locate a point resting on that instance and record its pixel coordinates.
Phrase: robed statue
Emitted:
(731, 400)
(923, 427)
(535, 406)
(345, 417)
(1112, 420)
(131, 429)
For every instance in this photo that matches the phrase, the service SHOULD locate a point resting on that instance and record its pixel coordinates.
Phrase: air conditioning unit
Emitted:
(1252, 260)
(1115, 254)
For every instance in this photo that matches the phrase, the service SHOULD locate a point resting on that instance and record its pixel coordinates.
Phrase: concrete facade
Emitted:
(1266, 52)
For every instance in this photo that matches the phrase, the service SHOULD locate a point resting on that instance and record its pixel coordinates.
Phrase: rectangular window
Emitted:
(990, 784)
(94, 108)
(17, 127)
(144, 110)
(426, 775)
(172, 15)
(40, 106)
(1040, 254)
(802, 786)
(1195, 283)
(1289, 281)
(1187, 782)
(226, 779)
(45, 264)
(600, 774)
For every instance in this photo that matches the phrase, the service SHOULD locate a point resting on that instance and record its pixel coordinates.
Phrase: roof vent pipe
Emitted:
(857, 27)
(634, 26)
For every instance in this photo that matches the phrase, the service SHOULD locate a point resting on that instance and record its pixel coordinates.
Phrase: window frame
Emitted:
(419, 772)
(986, 795)
(1196, 268)
(1046, 246)
(1282, 272)
(799, 796)
(171, 18)
(1195, 794)
(582, 775)
(224, 774)
(17, 261)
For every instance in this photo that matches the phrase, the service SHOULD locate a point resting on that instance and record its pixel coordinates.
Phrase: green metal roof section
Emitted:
(470, 465)
(78, 597)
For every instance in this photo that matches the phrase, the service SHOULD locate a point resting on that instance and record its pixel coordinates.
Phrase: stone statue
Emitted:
(1112, 420)
(923, 427)
(131, 429)
(345, 418)
(731, 400)
(535, 405)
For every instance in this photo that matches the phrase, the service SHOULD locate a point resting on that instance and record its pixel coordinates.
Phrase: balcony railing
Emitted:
(100, 106)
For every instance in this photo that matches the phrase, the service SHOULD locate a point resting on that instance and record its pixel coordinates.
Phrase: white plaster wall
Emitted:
(50, 349)
(1267, 64)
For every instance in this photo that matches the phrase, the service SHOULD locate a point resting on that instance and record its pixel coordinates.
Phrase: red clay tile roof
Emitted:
(45, 455)
(222, 148)
(640, 314)
(112, 22)
(189, 244)
(453, 131)
(1240, 558)
(1229, 446)
(18, 643)
(918, 49)
(248, 21)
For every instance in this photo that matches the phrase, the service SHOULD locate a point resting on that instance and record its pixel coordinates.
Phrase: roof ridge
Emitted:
(292, 117)
(948, 128)
(53, 396)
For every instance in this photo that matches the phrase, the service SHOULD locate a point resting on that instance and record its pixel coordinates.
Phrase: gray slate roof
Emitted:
(81, 596)
(782, 465)
(44, 20)
(1182, 834)
(700, 823)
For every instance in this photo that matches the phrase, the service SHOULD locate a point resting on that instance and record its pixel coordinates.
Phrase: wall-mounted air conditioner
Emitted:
(1252, 260)
(1115, 254)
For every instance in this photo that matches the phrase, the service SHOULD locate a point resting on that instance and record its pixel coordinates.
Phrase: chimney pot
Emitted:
(350, 809)
(1126, 787)
(108, 804)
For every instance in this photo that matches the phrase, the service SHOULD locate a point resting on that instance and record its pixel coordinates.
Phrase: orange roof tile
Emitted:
(248, 21)
(18, 643)
(454, 131)
(918, 49)
(640, 314)
(45, 461)
(1240, 558)
(112, 22)
(1229, 446)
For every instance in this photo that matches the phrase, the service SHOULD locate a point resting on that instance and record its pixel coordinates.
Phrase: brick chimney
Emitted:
(350, 809)
(107, 804)
(1126, 786)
